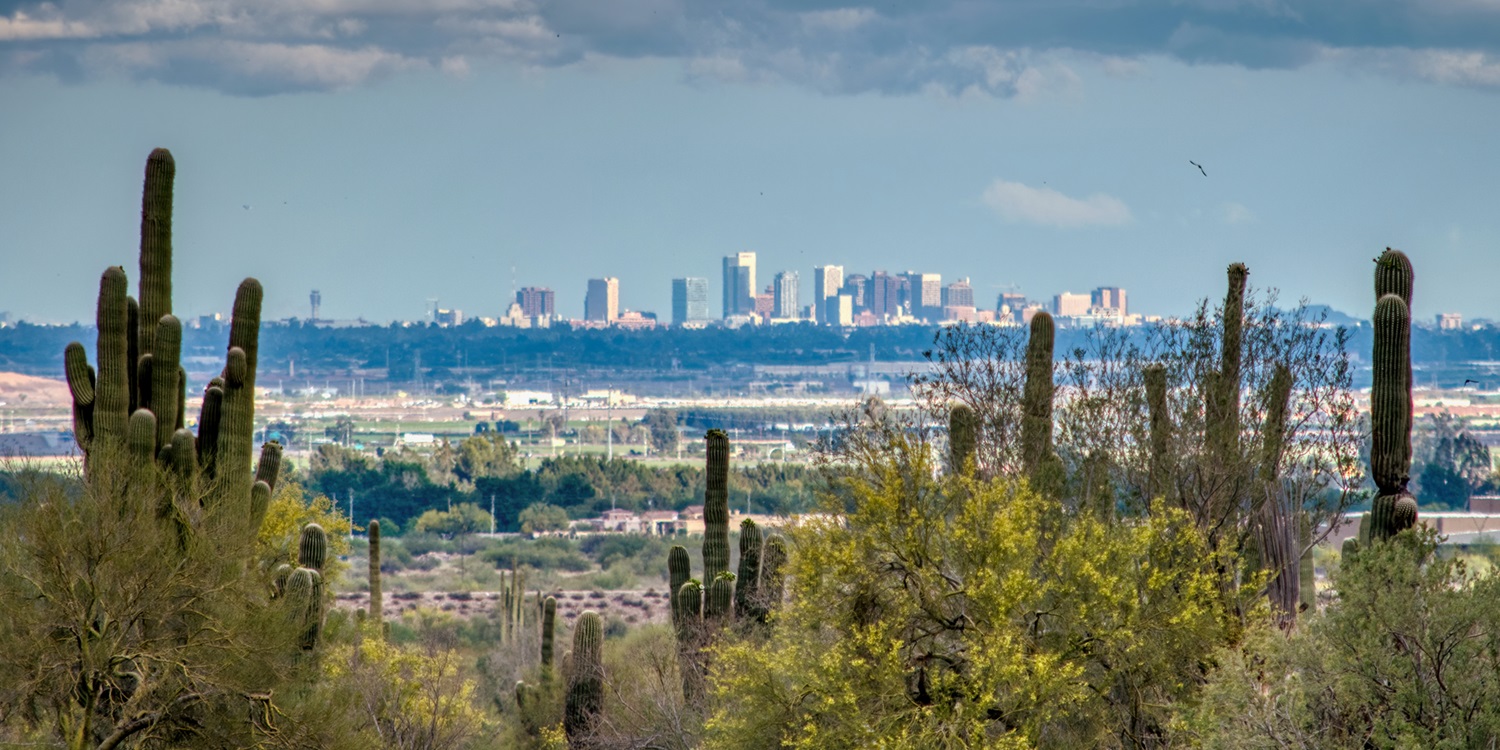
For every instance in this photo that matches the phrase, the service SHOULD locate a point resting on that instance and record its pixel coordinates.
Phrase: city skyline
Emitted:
(320, 151)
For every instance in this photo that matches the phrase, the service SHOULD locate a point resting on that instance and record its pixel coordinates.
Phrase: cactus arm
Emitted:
(963, 437)
(112, 392)
(747, 599)
(312, 548)
(268, 470)
(165, 386)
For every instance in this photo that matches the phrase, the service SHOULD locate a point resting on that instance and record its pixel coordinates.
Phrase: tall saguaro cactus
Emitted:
(716, 506)
(139, 369)
(585, 701)
(1160, 437)
(1394, 509)
(1036, 403)
(377, 600)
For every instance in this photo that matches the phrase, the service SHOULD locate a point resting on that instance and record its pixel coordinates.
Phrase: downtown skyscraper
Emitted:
(689, 300)
(739, 284)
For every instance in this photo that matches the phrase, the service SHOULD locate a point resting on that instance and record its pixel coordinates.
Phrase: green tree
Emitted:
(539, 518)
(485, 455)
(662, 424)
(1407, 656)
(1456, 463)
(963, 611)
(464, 518)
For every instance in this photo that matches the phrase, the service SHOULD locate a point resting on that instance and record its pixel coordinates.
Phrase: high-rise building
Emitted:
(827, 280)
(689, 300)
(885, 295)
(1109, 298)
(603, 300)
(1069, 304)
(316, 298)
(924, 294)
(838, 310)
(537, 301)
(765, 304)
(785, 305)
(958, 294)
(739, 284)
(857, 285)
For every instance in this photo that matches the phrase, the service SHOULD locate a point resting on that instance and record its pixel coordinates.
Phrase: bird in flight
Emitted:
(1468, 381)
(1199, 166)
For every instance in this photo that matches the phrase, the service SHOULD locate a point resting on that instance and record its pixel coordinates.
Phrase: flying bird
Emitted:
(1468, 381)
(1199, 166)
(247, 206)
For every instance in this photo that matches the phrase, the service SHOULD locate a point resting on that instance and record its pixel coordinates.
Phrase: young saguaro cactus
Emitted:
(1224, 416)
(377, 601)
(549, 627)
(585, 701)
(963, 437)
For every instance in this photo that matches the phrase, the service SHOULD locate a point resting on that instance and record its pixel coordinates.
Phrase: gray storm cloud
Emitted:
(995, 47)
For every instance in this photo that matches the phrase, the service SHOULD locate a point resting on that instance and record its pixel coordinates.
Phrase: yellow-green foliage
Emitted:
(416, 697)
(962, 612)
(289, 511)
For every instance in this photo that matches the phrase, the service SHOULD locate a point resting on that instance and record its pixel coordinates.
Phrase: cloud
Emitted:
(1235, 213)
(1021, 203)
(956, 47)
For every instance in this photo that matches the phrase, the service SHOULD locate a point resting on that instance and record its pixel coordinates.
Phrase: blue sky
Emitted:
(391, 151)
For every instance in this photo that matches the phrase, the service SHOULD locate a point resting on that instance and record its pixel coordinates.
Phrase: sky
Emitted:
(388, 152)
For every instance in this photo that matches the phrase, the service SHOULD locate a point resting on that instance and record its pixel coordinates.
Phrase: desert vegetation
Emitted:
(1116, 545)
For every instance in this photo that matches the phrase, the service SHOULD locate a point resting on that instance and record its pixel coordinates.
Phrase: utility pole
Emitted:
(492, 512)
(609, 421)
(351, 513)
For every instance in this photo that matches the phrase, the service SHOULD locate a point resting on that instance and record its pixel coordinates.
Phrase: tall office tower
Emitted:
(1070, 304)
(856, 285)
(689, 300)
(885, 295)
(739, 284)
(537, 301)
(827, 280)
(958, 294)
(1110, 297)
(924, 294)
(785, 306)
(838, 310)
(603, 300)
(317, 303)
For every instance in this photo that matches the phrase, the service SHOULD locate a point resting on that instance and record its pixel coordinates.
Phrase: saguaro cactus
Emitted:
(1160, 430)
(139, 370)
(716, 506)
(585, 700)
(1390, 419)
(747, 598)
(1036, 404)
(549, 626)
(377, 600)
(963, 437)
